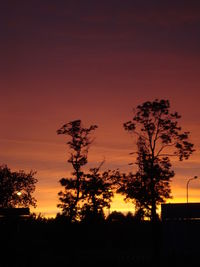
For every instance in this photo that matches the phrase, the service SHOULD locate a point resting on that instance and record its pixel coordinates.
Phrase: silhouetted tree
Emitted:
(79, 144)
(137, 186)
(16, 188)
(159, 137)
(97, 193)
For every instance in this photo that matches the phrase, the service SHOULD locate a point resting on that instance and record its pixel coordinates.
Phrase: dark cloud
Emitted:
(57, 33)
(142, 23)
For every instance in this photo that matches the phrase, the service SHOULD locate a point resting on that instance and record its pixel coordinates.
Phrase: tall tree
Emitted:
(16, 188)
(159, 137)
(79, 143)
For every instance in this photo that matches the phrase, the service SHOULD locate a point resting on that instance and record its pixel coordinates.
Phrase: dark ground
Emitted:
(50, 243)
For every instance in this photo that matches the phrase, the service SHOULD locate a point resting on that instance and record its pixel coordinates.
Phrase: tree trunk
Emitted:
(153, 201)
(153, 210)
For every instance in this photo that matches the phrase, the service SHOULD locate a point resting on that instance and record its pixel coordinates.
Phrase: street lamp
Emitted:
(193, 178)
(19, 193)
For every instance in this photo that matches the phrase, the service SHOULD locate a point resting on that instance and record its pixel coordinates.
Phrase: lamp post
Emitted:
(18, 195)
(193, 178)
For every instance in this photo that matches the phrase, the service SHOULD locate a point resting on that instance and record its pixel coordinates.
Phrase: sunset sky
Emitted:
(94, 61)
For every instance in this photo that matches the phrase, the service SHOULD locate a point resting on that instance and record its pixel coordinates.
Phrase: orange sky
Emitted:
(94, 61)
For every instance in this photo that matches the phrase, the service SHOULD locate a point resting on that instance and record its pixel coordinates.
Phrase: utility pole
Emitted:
(193, 178)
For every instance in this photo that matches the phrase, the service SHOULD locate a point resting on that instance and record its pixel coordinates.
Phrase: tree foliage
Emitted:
(16, 188)
(97, 192)
(79, 143)
(159, 137)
